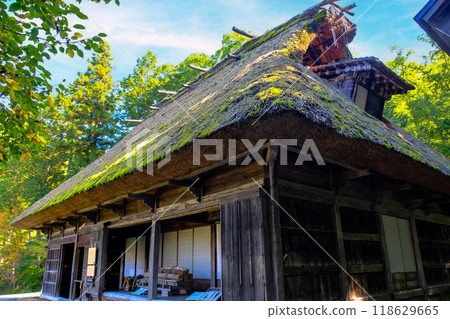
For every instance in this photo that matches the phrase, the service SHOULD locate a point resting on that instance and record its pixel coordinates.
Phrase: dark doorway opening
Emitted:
(66, 267)
(78, 273)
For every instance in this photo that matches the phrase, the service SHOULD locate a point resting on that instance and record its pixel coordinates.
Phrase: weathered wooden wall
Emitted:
(309, 273)
(435, 251)
(243, 265)
(342, 209)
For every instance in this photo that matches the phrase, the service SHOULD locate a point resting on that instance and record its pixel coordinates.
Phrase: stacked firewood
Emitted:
(174, 273)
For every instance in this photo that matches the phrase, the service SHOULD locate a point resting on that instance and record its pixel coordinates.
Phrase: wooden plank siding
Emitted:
(243, 264)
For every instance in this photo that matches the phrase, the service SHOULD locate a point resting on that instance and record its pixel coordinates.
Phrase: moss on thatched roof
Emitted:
(265, 80)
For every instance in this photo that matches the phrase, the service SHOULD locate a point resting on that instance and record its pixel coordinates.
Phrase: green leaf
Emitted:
(14, 7)
(81, 15)
(79, 26)
(34, 33)
(51, 24)
(102, 35)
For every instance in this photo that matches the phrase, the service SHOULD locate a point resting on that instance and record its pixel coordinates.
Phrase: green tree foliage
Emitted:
(82, 117)
(230, 42)
(423, 112)
(88, 122)
(32, 264)
(139, 90)
(30, 31)
(182, 73)
(22, 183)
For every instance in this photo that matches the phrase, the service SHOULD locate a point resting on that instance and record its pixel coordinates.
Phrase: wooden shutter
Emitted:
(51, 271)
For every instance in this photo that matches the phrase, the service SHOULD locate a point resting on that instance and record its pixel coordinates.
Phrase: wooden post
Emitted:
(213, 256)
(73, 261)
(122, 259)
(387, 263)
(341, 258)
(153, 260)
(102, 253)
(337, 183)
(274, 227)
(419, 265)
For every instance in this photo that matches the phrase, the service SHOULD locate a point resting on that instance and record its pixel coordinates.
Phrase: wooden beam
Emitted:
(242, 32)
(93, 216)
(198, 68)
(148, 199)
(414, 204)
(395, 188)
(361, 236)
(72, 221)
(167, 92)
(233, 56)
(327, 2)
(153, 264)
(181, 183)
(119, 210)
(365, 268)
(353, 175)
(58, 225)
(308, 270)
(195, 188)
(346, 9)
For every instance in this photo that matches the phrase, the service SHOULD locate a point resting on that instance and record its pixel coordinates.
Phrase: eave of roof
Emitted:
(375, 63)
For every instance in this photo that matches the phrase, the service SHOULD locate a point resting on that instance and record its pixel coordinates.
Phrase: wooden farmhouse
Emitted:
(272, 176)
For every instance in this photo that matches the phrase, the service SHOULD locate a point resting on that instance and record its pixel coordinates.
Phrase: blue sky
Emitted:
(174, 29)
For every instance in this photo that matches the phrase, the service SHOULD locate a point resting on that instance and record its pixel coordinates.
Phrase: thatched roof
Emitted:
(265, 80)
